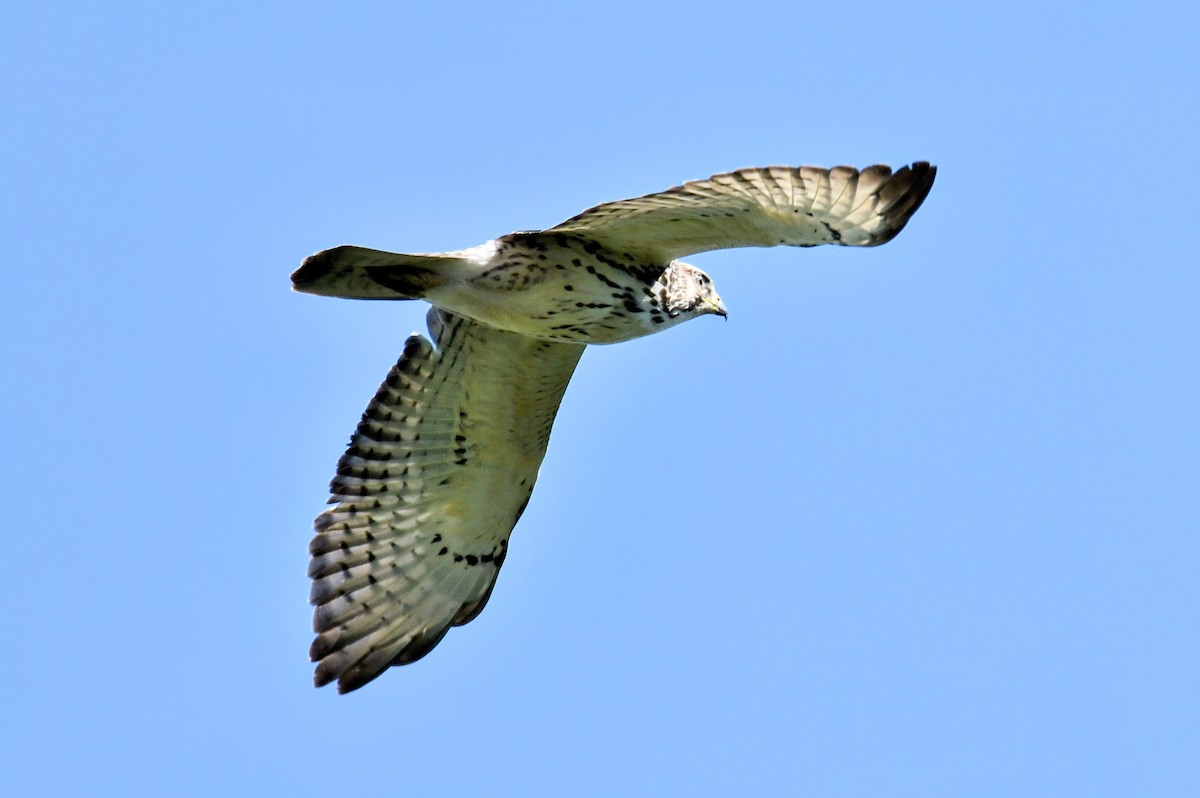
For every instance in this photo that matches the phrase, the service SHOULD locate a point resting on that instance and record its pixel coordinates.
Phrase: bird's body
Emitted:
(545, 285)
(446, 455)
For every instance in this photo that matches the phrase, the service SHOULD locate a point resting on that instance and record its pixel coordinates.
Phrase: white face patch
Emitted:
(686, 289)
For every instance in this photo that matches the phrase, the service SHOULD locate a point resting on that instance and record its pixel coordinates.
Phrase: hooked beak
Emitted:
(716, 306)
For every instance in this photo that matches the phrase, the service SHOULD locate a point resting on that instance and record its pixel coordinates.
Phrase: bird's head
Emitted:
(685, 290)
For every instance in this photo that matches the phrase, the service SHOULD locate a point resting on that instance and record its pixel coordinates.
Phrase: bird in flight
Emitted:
(445, 457)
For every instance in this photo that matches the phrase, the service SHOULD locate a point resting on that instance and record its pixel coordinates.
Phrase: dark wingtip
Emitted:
(350, 677)
(344, 685)
(322, 677)
(901, 196)
(347, 681)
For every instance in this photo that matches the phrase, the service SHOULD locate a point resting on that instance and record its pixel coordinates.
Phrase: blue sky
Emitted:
(918, 520)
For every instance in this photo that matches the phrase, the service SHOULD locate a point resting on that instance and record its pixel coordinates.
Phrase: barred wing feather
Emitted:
(435, 477)
(763, 207)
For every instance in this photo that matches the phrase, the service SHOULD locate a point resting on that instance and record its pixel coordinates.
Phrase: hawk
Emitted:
(445, 457)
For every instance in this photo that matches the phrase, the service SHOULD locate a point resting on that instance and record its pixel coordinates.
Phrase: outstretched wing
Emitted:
(796, 206)
(435, 478)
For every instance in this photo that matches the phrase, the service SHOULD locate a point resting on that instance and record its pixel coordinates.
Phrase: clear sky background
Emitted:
(919, 520)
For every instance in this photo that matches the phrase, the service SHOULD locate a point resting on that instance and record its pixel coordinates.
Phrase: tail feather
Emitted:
(361, 273)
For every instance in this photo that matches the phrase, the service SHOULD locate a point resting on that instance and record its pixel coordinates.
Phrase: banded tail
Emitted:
(361, 273)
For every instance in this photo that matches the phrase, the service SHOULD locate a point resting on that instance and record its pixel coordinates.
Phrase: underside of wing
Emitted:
(435, 477)
(761, 207)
